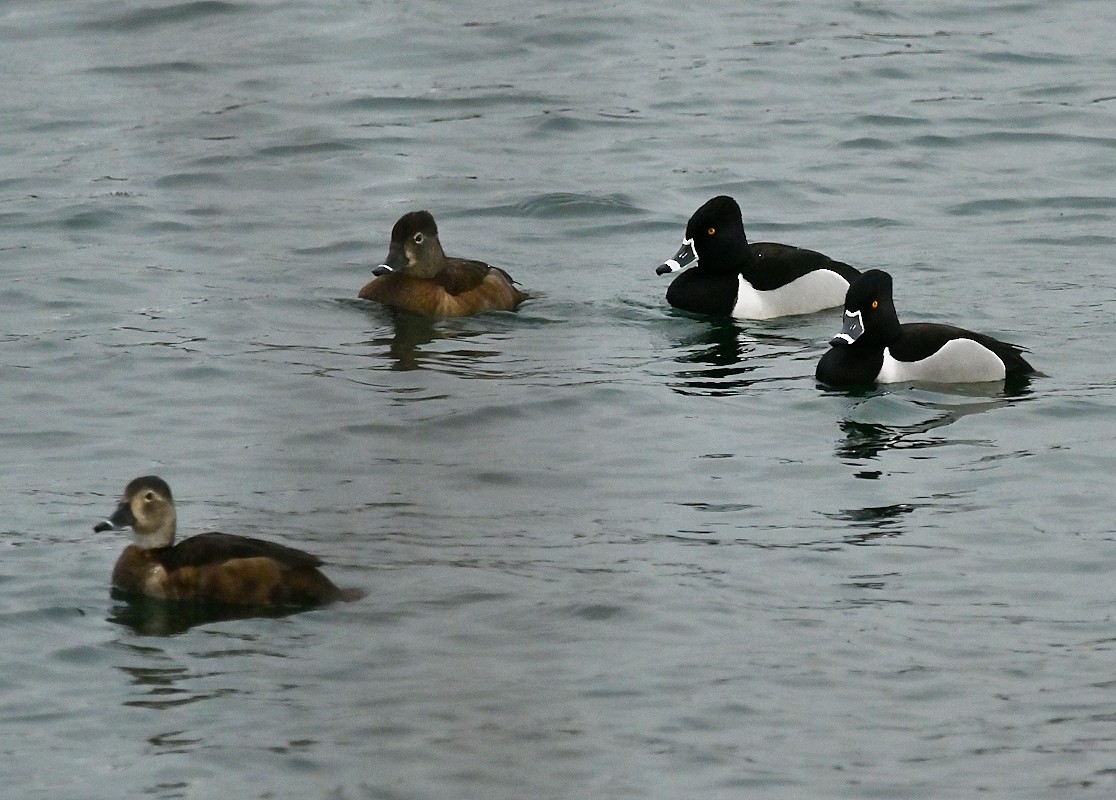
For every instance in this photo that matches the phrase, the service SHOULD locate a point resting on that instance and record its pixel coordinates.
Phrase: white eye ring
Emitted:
(417, 238)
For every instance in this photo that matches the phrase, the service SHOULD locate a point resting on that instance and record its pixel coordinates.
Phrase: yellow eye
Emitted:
(875, 304)
(711, 231)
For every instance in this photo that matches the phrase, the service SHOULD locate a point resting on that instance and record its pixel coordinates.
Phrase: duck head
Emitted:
(148, 509)
(415, 248)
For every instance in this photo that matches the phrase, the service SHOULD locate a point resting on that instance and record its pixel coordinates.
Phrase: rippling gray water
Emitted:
(610, 551)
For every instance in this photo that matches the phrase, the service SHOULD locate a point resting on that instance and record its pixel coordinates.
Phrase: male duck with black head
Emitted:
(419, 277)
(215, 568)
(874, 347)
(749, 280)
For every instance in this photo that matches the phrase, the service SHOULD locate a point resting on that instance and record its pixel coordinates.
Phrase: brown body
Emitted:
(211, 567)
(460, 289)
(219, 568)
(421, 279)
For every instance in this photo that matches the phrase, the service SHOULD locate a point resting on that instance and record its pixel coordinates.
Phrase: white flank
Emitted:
(959, 361)
(812, 292)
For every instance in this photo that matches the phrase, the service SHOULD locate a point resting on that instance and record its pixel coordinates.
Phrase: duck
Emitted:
(418, 277)
(218, 568)
(733, 277)
(874, 347)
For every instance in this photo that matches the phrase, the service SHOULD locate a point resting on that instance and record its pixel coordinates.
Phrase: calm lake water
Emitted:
(610, 551)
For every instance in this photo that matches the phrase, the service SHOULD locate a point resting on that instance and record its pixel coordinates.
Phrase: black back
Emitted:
(919, 340)
(775, 265)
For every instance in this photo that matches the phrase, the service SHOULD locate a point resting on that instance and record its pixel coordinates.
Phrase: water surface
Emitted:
(609, 550)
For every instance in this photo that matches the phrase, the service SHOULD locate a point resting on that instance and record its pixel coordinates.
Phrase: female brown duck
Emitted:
(419, 277)
(209, 567)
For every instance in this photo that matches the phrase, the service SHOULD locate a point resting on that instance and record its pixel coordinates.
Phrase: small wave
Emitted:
(308, 148)
(1080, 203)
(153, 17)
(867, 143)
(86, 219)
(558, 205)
(148, 69)
(184, 179)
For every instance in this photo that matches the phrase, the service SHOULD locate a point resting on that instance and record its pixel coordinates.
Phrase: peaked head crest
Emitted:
(412, 223)
(153, 482)
(718, 212)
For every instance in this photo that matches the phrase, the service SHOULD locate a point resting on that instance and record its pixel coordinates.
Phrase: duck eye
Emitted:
(149, 497)
(875, 304)
(417, 238)
(711, 230)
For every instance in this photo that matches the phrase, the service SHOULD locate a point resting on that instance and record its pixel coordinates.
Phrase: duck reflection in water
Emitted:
(411, 343)
(872, 522)
(726, 358)
(865, 439)
(410, 333)
(148, 617)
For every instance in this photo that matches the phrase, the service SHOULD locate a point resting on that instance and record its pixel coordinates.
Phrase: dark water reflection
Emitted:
(873, 522)
(410, 333)
(865, 439)
(148, 617)
(412, 341)
(162, 687)
(724, 357)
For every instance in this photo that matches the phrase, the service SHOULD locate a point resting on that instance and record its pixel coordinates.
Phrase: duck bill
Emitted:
(685, 256)
(121, 518)
(852, 328)
(395, 261)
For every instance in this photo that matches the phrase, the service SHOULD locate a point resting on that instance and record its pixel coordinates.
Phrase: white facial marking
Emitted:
(859, 324)
(674, 264)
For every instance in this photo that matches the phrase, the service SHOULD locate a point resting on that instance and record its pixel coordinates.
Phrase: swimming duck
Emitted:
(873, 347)
(758, 280)
(209, 567)
(418, 277)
